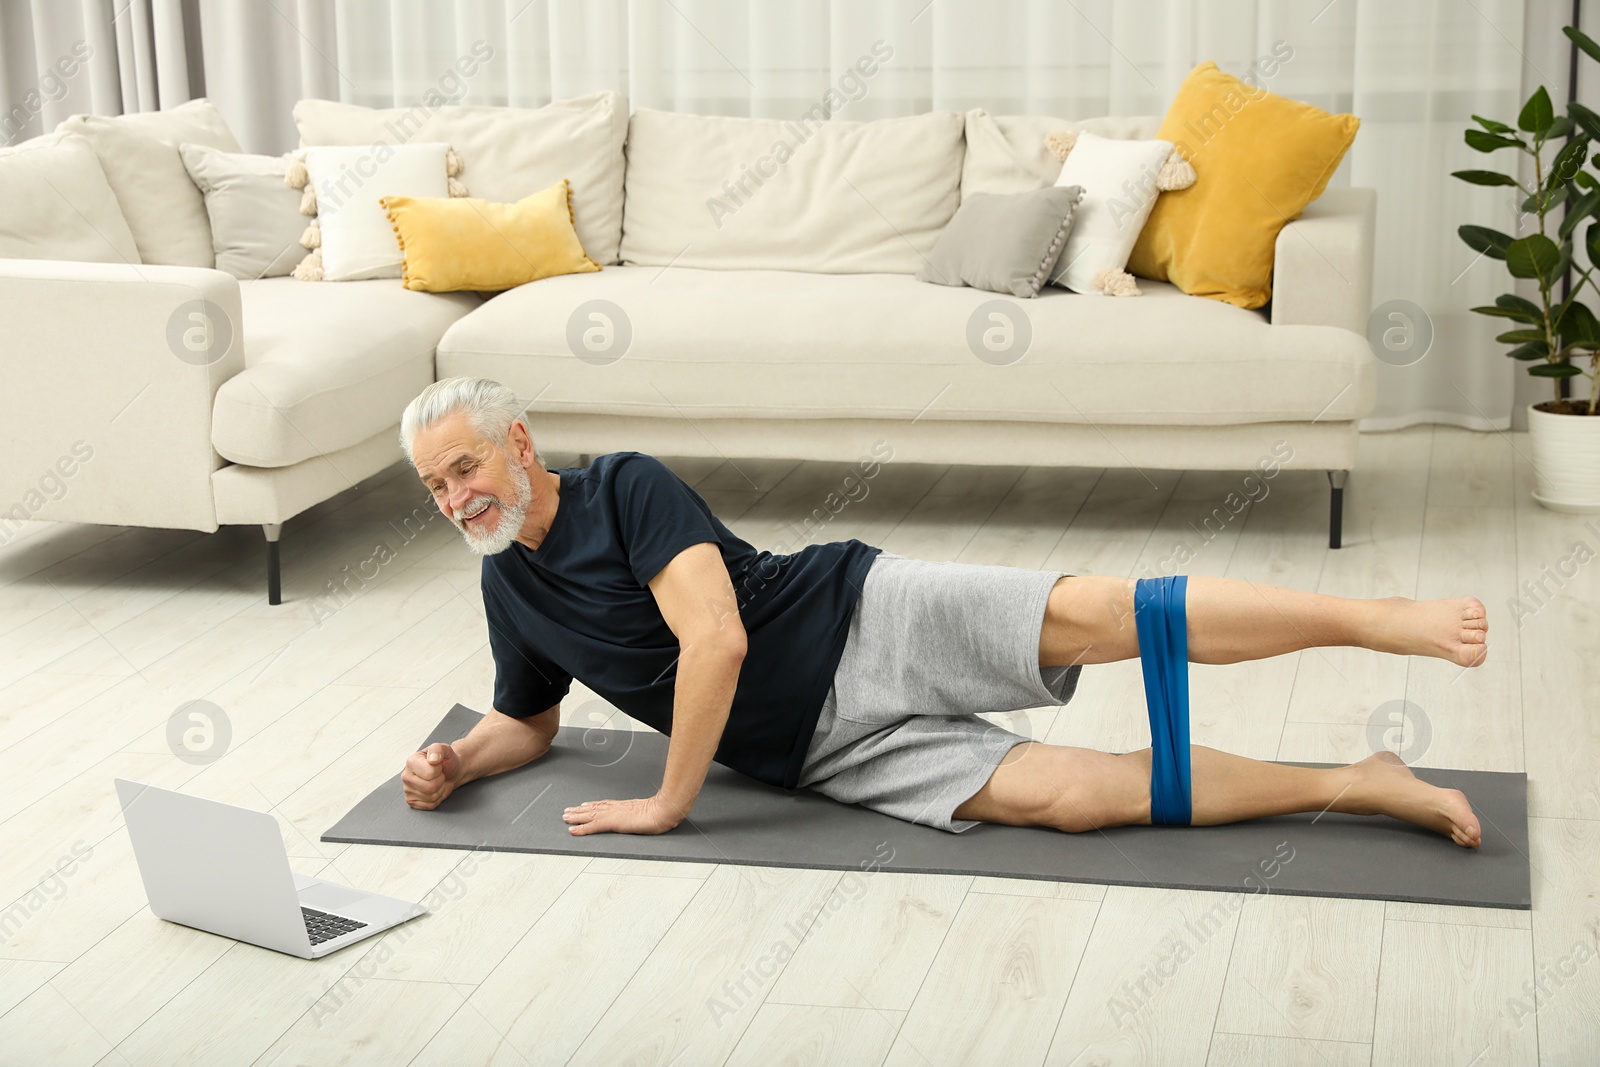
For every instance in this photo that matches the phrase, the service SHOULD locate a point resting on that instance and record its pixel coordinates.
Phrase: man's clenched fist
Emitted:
(430, 776)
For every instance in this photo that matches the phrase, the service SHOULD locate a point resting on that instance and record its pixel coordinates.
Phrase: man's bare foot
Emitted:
(1456, 629)
(1382, 784)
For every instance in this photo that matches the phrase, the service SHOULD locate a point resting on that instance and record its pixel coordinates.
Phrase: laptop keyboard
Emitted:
(324, 927)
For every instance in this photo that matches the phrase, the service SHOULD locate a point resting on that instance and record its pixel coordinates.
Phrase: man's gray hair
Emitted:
(490, 406)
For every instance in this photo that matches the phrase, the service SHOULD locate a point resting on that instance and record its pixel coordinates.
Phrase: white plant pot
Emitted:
(1566, 461)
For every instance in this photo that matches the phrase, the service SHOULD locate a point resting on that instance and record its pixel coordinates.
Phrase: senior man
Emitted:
(852, 671)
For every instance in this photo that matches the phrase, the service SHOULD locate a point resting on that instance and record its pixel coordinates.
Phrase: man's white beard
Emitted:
(507, 525)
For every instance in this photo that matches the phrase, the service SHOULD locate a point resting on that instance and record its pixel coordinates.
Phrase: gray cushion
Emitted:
(1004, 242)
(255, 219)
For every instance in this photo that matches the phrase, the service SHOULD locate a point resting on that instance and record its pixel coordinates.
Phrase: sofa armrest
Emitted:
(1322, 273)
(109, 373)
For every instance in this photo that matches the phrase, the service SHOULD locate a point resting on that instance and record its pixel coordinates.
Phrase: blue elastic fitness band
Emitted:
(1162, 620)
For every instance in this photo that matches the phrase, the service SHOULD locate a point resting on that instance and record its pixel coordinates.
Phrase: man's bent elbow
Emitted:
(733, 649)
(720, 646)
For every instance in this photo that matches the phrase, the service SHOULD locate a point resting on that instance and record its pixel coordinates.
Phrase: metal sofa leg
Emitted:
(1336, 507)
(274, 571)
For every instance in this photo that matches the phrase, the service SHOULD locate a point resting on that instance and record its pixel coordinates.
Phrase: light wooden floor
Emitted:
(105, 633)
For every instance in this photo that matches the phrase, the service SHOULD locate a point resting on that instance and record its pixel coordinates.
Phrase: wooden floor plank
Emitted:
(1304, 968)
(557, 982)
(1566, 942)
(1251, 1050)
(19, 978)
(873, 942)
(381, 1022)
(800, 1035)
(1151, 978)
(695, 994)
(48, 1028)
(1442, 991)
(998, 983)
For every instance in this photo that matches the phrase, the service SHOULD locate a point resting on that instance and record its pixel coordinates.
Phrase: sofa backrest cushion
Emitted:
(1007, 153)
(58, 204)
(507, 153)
(139, 153)
(803, 194)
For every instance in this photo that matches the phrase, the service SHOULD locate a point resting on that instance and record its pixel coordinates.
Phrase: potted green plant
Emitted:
(1554, 335)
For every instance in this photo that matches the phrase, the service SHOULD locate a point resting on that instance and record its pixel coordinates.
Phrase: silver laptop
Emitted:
(223, 869)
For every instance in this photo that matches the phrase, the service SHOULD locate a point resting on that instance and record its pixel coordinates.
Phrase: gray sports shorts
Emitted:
(930, 646)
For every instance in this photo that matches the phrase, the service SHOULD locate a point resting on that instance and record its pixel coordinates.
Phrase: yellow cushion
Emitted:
(1259, 159)
(464, 243)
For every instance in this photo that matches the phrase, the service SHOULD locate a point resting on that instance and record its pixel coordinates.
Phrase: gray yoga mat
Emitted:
(739, 820)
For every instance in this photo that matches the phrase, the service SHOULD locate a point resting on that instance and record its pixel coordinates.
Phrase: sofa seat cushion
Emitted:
(327, 366)
(774, 344)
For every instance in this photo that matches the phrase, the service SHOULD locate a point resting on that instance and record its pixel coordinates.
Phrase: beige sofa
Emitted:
(748, 309)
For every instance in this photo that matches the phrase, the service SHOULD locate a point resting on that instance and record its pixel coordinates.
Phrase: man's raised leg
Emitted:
(1078, 789)
(1090, 620)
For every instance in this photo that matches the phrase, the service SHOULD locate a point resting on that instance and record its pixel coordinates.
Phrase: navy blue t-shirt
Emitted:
(579, 606)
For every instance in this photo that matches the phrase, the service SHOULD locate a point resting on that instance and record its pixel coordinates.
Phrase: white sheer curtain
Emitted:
(1413, 70)
(101, 56)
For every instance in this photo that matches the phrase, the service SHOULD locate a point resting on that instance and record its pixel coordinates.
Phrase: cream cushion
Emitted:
(507, 153)
(326, 366)
(802, 195)
(1118, 179)
(58, 204)
(139, 153)
(1007, 153)
(357, 239)
(771, 344)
